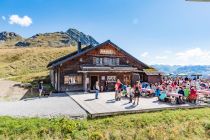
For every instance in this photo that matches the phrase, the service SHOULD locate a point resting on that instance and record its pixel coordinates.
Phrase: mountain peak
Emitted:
(80, 36)
(55, 39)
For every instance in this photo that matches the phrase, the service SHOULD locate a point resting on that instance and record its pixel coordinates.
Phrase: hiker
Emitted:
(97, 88)
(40, 86)
(137, 91)
(118, 88)
(129, 93)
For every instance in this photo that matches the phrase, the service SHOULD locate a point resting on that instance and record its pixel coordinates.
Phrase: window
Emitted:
(106, 61)
(97, 61)
(72, 79)
(101, 61)
(118, 61)
(94, 60)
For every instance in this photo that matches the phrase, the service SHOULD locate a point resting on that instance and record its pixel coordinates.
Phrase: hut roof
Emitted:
(152, 72)
(75, 54)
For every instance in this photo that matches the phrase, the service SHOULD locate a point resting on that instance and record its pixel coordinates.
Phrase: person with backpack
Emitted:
(40, 86)
(137, 91)
(118, 89)
(97, 89)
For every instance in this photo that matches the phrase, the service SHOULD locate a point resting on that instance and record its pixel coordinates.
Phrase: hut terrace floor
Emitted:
(107, 106)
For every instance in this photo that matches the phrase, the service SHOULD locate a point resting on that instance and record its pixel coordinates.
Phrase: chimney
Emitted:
(79, 47)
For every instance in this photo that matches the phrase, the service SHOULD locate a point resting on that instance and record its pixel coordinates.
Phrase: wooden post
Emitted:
(59, 84)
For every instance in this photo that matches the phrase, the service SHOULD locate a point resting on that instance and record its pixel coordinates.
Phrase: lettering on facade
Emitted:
(107, 51)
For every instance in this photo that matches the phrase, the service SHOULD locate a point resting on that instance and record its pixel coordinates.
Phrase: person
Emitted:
(97, 89)
(153, 88)
(193, 95)
(177, 89)
(137, 91)
(180, 99)
(106, 86)
(129, 93)
(40, 86)
(124, 91)
(163, 95)
(181, 91)
(157, 91)
(118, 87)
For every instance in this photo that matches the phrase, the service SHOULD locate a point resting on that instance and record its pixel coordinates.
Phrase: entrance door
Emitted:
(127, 79)
(93, 80)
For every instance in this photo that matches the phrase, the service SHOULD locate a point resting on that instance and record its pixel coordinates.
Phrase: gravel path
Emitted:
(53, 106)
(9, 91)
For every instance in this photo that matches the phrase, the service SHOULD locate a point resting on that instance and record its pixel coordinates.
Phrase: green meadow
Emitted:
(165, 125)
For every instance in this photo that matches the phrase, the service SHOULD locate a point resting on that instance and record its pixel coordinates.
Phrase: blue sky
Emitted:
(154, 31)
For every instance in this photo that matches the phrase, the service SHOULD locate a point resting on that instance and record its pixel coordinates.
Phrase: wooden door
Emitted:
(127, 79)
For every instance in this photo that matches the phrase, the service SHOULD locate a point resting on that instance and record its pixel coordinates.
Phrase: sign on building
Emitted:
(111, 78)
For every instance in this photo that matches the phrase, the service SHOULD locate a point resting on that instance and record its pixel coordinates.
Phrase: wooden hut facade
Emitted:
(106, 62)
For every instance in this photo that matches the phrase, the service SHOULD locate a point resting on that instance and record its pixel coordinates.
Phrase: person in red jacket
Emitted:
(118, 86)
(193, 95)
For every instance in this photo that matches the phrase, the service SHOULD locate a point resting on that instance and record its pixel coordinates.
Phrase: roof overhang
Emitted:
(86, 69)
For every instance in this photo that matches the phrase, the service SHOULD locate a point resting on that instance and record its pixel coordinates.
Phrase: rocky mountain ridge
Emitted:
(177, 69)
(55, 39)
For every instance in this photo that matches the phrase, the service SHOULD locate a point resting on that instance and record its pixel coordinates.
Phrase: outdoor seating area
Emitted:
(106, 104)
(170, 90)
(145, 97)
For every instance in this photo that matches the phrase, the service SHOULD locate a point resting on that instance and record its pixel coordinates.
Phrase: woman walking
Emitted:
(137, 91)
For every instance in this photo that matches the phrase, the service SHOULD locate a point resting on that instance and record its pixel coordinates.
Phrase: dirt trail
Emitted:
(11, 91)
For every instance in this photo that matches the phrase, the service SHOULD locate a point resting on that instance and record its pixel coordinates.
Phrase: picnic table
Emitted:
(203, 95)
(148, 90)
(204, 92)
(174, 95)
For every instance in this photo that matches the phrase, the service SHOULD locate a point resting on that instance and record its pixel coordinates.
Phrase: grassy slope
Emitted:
(27, 64)
(179, 124)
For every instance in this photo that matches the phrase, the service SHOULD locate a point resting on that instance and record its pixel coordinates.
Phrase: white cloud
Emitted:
(24, 21)
(195, 56)
(3, 18)
(161, 57)
(135, 21)
(145, 54)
